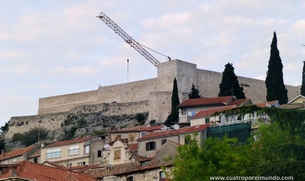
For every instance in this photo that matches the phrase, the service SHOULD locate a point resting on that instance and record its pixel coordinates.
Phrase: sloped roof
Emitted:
(133, 147)
(240, 102)
(33, 171)
(18, 152)
(210, 101)
(297, 97)
(190, 129)
(69, 142)
(209, 112)
(266, 104)
(138, 129)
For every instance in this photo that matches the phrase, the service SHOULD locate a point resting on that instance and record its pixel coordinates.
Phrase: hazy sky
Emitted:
(50, 47)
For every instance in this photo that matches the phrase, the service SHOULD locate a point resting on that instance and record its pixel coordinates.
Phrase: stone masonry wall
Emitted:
(156, 93)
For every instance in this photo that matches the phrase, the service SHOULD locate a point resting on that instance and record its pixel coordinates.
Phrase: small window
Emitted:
(35, 159)
(142, 134)
(163, 141)
(87, 149)
(81, 163)
(129, 178)
(161, 175)
(150, 146)
(131, 137)
(207, 120)
(99, 153)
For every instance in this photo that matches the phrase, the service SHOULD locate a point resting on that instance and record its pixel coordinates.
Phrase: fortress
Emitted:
(151, 95)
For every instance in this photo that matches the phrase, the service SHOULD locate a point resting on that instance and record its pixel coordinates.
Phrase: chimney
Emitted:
(12, 171)
(2, 154)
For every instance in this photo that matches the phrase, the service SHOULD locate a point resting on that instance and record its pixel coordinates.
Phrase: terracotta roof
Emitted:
(240, 102)
(222, 101)
(138, 129)
(17, 152)
(209, 112)
(265, 104)
(133, 147)
(33, 171)
(69, 142)
(184, 130)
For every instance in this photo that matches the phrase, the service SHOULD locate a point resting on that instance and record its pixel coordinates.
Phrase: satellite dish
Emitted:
(176, 126)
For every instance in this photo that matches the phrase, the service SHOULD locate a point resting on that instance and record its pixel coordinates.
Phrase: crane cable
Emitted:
(169, 58)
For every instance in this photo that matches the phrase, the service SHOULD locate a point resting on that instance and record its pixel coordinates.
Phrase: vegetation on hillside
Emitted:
(32, 136)
(276, 149)
(274, 81)
(229, 85)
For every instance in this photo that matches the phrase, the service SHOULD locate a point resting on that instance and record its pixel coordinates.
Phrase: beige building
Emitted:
(69, 152)
(20, 154)
(148, 144)
(134, 133)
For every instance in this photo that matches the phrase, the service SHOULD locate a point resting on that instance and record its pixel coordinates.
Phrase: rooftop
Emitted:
(211, 101)
(69, 142)
(190, 129)
(138, 129)
(209, 112)
(17, 152)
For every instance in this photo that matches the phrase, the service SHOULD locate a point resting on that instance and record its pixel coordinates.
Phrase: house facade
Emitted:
(68, 153)
(148, 144)
(190, 107)
(18, 155)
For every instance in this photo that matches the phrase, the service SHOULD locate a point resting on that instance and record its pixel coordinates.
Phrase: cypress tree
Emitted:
(174, 115)
(229, 84)
(303, 80)
(274, 81)
(194, 93)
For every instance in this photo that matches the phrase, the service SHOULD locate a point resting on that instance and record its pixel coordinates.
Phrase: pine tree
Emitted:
(229, 84)
(303, 81)
(274, 81)
(174, 115)
(194, 93)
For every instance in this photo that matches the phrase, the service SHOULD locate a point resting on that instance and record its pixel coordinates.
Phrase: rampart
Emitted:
(156, 93)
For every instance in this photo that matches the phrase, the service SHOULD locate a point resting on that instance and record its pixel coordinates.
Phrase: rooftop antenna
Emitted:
(127, 70)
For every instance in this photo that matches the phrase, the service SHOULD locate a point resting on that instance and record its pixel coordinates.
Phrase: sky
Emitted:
(50, 48)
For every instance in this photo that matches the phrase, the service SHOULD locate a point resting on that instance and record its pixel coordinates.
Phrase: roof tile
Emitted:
(223, 101)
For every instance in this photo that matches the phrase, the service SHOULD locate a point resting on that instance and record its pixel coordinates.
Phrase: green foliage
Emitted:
(229, 84)
(99, 132)
(2, 144)
(194, 93)
(140, 117)
(274, 81)
(276, 149)
(5, 127)
(69, 133)
(174, 115)
(215, 158)
(32, 136)
(303, 80)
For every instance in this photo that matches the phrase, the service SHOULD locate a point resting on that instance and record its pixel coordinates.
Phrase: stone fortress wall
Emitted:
(153, 95)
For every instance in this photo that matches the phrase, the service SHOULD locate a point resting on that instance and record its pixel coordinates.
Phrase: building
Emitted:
(69, 152)
(20, 154)
(28, 171)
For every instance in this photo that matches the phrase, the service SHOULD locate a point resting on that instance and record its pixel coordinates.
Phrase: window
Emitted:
(142, 133)
(99, 153)
(35, 159)
(81, 163)
(161, 175)
(163, 141)
(131, 137)
(53, 153)
(207, 120)
(150, 146)
(73, 150)
(117, 154)
(129, 178)
(87, 149)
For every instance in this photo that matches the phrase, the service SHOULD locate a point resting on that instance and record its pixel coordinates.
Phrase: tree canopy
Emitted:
(174, 115)
(194, 93)
(229, 84)
(303, 80)
(275, 149)
(274, 81)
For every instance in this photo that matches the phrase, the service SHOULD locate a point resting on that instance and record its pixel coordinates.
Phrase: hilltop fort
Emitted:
(151, 95)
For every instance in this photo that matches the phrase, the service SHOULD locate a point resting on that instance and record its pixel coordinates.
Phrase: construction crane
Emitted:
(128, 39)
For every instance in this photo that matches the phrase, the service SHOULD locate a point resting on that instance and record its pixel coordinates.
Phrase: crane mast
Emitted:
(128, 39)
